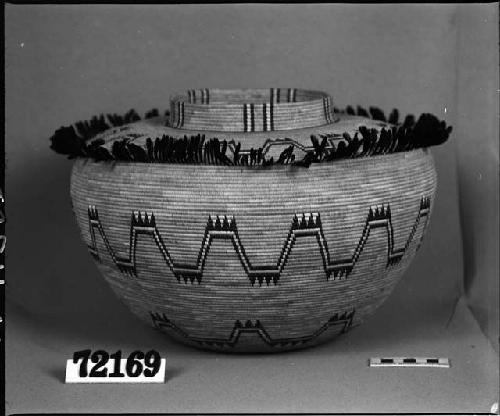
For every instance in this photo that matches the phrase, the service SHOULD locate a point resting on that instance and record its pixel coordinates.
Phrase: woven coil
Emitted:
(250, 110)
(237, 259)
(201, 249)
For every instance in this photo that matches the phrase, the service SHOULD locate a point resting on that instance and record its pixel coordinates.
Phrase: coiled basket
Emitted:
(253, 220)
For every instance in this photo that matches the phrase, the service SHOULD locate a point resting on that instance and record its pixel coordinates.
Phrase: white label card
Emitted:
(101, 367)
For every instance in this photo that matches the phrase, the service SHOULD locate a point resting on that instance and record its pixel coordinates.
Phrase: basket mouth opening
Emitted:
(235, 96)
(250, 110)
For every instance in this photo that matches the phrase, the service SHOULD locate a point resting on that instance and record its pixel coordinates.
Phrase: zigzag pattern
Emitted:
(305, 225)
(161, 322)
(285, 142)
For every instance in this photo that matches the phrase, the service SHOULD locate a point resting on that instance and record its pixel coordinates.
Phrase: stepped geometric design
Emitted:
(223, 227)
(285, 142)
(161, 322)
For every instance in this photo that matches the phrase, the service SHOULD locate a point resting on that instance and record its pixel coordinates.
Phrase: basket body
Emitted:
(254, 260)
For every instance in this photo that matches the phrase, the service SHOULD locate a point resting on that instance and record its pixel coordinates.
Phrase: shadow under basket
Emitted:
(253, 220)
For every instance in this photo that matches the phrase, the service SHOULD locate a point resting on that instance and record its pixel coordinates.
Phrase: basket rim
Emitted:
(320, 95)
(250, 109)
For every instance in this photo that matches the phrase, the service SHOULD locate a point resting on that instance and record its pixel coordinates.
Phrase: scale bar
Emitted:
(409, 362)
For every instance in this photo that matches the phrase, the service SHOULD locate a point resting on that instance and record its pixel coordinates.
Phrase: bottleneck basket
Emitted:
(253, 220)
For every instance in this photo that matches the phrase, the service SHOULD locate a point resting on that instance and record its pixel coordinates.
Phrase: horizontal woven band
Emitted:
(250, 110)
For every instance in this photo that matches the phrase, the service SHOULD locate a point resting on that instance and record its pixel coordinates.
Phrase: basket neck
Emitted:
(250, 110)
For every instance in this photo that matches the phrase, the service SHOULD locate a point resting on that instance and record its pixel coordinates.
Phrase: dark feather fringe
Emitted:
(72, 140)
(377, 114)
(426, 131)
(152, 113)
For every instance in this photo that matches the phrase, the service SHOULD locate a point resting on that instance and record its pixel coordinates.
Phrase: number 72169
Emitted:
(101, 364)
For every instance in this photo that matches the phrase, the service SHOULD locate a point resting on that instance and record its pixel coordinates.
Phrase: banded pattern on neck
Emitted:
(250, 110)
